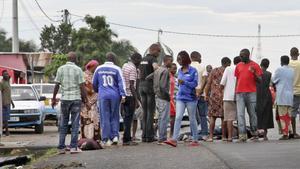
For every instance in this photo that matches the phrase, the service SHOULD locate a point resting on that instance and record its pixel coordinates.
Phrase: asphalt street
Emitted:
(261, 155)
(272, 154)
(217, 155)
(144, 156)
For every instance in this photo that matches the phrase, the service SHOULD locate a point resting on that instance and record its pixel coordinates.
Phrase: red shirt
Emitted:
(172, 93)
(246, 81)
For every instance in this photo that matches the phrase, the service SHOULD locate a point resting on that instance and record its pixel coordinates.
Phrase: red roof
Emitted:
(13, 61)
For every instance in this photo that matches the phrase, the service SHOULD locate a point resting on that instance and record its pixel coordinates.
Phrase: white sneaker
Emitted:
(75, 150)
(107, 143)
(115, 141)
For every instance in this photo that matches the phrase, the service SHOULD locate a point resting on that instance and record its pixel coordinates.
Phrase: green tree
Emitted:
(94, 40)
(6, 44)
(57, 61)
(123, 49)
(56, 39)
(90, 42)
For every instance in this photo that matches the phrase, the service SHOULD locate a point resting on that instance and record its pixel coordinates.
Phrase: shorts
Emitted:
(230, 110)
(296, 104)
(6, 113)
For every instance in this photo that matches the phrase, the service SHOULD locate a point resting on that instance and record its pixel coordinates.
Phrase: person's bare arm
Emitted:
(207, 88)
(155, 66)
(83, 93)
(257, 77)
(204, 81)
(54, 101)
(133, 91)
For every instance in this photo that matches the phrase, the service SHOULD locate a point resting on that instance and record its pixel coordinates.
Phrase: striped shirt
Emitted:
(70, 76)
(129, 73)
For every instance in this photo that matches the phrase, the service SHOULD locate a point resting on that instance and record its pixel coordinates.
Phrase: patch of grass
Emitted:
(45, 154)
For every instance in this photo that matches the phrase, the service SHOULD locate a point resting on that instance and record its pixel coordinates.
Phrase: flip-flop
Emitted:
(171, 143)
(209, 140)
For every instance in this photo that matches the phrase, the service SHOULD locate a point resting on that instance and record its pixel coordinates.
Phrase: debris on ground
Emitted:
(14, 160)
(65, 166)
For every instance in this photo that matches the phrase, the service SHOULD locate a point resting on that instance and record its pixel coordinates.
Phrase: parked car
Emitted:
(46, 89)
(28, 111)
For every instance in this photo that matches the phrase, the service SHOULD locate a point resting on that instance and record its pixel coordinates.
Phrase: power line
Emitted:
(77, 15)
(198, 34)
(203, 34)
(29, 16)
(133, 27)
(52, 20)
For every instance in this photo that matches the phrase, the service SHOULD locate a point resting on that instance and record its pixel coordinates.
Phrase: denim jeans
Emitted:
(148, 104)
(6, 113)
(163, 109)
(110, 118)
(191, 108)
(248, 101)
(296, 104)
(201, 115)
(129, 108)
(68, 108)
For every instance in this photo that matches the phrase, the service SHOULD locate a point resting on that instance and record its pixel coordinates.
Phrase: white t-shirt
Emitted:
(229, 82)
(200, 70)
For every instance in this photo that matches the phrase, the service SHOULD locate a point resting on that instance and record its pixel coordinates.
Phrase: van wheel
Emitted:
(39, 129)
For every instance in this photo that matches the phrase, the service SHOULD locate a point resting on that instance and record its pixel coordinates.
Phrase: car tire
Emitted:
(39, 129)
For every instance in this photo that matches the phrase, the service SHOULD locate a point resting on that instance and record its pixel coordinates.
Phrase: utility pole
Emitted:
(258, 55)
(15, 27)
(66, 18)
(160, 32)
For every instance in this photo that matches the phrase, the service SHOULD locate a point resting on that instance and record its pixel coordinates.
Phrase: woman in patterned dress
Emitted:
(214, 96)
(89, 116)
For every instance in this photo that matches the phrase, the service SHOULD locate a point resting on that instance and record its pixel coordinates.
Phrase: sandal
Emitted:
(284, 137)
(209, 140)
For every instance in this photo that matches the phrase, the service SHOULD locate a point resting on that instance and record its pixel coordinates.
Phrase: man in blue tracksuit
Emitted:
(108, 82)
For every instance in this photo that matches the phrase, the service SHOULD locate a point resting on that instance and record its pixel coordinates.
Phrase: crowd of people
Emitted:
(143, 89)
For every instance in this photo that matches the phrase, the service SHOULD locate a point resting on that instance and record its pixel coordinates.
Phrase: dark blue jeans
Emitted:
(202, 109)
(6, 113)
(68, 108)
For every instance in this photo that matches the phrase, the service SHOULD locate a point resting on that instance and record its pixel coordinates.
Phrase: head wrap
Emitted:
(92, 63)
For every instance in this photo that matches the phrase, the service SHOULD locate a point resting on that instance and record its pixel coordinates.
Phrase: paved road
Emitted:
(272, 154)
(217, 155)
(262, 155)
(144, 156)
(27, 138)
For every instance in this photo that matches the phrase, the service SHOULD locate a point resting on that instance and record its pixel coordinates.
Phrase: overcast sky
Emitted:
(237, 17)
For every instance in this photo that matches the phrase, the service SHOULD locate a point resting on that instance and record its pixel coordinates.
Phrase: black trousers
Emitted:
(129, 108)
(148, 104)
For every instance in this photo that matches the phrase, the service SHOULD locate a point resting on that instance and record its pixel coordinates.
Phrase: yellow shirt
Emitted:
(200, 70)
(295, 64)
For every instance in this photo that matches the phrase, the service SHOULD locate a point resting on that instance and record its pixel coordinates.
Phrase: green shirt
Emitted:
(70, 76)
(6, 93)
